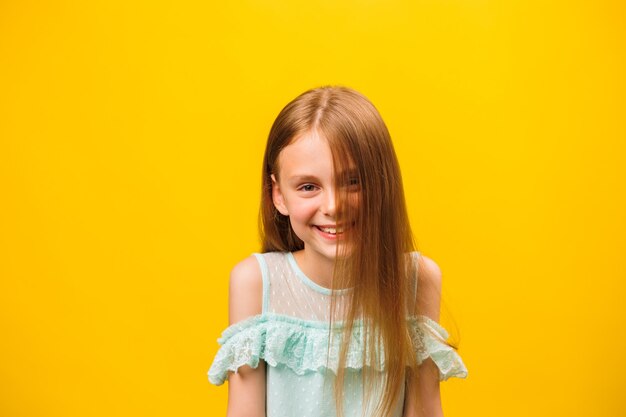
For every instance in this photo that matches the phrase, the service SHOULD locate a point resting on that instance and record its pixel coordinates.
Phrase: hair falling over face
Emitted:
(373, 257)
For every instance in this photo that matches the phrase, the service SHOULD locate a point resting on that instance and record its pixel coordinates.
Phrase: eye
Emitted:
(307, 187)
(353, 182)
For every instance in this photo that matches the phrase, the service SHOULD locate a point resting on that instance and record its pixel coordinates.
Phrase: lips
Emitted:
(333, 230)
(329, 233)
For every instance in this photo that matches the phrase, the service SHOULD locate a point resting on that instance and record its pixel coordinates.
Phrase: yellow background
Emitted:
(131, 138)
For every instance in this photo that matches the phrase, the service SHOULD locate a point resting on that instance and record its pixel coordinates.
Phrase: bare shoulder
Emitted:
(428, 287)
(245, 294)
(246, 272)
(429, 272)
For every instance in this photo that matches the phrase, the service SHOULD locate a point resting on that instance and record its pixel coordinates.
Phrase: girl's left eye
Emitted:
(352, 183)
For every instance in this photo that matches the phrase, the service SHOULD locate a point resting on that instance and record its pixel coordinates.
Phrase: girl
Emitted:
(331, 318)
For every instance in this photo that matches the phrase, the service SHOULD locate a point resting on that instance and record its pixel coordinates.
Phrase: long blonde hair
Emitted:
(376, 266)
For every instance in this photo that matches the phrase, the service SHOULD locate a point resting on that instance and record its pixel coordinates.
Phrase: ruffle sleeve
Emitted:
(297, 344)
(430, 339)
(303, 346)
(242, 344)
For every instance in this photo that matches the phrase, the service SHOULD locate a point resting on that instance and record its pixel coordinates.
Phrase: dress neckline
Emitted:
(309, 282)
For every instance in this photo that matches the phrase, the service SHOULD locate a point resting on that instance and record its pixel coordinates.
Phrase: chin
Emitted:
(346, 252)
(341, 251)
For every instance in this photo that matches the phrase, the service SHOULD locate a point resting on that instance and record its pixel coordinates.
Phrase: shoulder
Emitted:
(245, 294)
(429, 271)
(246, 272)
(428, 287)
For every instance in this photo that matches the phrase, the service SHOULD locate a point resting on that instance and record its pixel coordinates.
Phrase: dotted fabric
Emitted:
(291, 336)
(293, 294)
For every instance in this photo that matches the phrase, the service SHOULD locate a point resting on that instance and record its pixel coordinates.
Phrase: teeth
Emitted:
(331, 230)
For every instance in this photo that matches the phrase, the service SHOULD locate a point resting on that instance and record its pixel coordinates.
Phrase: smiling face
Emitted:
(304, 189)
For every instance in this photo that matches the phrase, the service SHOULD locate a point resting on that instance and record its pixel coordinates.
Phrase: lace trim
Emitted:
(303, 345)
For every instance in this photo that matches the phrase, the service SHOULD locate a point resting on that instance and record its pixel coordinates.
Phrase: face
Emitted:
(304, 190)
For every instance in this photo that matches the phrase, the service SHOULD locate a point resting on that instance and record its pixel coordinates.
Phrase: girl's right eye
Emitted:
(307, 187)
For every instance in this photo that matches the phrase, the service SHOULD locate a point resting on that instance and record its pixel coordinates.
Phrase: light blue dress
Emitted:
(292, 336)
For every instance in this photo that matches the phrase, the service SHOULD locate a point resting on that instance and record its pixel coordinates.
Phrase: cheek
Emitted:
(303, 210)
(353, 201)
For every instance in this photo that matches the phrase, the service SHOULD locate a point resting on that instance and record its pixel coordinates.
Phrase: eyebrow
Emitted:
(300, 178)
(308, 177)
(349, 172)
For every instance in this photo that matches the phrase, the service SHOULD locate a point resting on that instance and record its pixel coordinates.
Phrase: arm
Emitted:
(246, 388)
(428, 303)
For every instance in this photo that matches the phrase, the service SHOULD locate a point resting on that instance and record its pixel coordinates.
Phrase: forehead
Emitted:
(309, 157)
(308, 154)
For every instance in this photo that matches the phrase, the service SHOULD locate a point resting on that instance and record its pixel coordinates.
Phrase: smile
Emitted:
(329, 233)
(330, 230)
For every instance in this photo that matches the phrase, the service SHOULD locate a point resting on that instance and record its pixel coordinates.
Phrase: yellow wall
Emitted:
(131, 138)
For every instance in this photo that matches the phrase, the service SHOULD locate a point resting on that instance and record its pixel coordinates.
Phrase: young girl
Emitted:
(338, 314)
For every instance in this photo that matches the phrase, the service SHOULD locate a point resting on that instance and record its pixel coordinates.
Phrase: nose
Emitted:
(328, 206)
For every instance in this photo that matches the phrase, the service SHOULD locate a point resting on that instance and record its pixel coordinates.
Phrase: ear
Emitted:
(277, 198)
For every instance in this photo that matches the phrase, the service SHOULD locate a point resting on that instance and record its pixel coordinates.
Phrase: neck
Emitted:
(316, 267)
